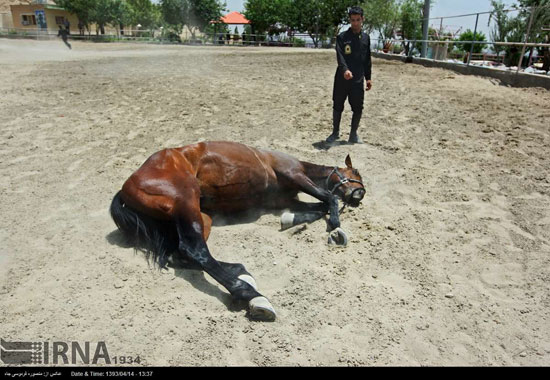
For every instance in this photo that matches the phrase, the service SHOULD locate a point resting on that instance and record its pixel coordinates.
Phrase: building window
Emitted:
(59, 20)
(28, 20)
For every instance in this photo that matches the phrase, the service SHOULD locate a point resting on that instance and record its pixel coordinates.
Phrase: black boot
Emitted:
(355, 119)
(336, 117)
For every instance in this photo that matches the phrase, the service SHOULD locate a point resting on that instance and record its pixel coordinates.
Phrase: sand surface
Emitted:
(449, 254)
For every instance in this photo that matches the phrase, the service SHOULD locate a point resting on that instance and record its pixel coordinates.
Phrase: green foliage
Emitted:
(264, 14)
(143, 12)
(502, 24)
(410, 21)
(81, 8)
(114, 12)
(541, 18)
(201, 12)
(468, 35)
(318, 18)
(195, 14)
(382, 16)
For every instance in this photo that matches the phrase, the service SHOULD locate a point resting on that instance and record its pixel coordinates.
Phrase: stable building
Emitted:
(42, 16)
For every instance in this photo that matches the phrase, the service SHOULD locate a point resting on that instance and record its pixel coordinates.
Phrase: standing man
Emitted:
(354, 67)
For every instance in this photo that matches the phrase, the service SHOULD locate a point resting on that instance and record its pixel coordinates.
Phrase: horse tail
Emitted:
(156, 238)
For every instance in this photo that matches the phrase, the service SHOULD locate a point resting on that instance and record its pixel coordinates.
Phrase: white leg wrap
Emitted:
(249, 280)
(287, 220)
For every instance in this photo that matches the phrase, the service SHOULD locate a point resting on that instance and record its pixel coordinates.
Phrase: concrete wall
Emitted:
(6, 20)
(505, 77)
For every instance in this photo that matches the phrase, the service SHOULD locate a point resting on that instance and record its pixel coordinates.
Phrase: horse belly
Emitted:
(236, 188)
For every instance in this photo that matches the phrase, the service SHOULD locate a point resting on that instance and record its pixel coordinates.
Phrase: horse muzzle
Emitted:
(355, 196)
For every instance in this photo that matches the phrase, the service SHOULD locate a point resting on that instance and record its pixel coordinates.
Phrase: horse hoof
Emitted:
(261, 309)
(249, 280)
(338, 237)
(287, 220)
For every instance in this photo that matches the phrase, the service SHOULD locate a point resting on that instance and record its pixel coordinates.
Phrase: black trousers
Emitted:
(351, 90)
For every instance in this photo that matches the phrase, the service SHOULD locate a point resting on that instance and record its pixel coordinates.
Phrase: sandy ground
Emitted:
(448, 262)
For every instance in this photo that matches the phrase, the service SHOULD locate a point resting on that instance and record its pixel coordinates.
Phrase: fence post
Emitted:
(474, 40)
(526, 38)
(425, 28)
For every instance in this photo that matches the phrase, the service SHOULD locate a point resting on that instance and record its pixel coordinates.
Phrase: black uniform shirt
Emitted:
(353, 53)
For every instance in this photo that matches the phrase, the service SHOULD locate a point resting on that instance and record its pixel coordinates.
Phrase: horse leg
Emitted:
(190, 228)
(181, 261)
(306, 185)
(235, 269)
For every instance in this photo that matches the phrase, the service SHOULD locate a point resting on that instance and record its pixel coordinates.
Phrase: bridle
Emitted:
(343, 180)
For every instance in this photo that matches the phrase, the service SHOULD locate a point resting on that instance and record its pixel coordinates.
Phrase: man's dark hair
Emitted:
(355, 11)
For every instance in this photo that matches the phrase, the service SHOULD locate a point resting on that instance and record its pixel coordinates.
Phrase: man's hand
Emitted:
(369, 85)
(348, 75)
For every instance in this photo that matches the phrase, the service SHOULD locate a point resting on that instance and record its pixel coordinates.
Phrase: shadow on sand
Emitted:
(193, 273)
(323, 145)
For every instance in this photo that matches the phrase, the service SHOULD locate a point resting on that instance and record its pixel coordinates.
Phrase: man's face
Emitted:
(356, 22)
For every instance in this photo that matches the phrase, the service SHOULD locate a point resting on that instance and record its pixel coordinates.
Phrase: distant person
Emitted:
(63, 33)
(80, 27)
(354, 67)
(67, 26)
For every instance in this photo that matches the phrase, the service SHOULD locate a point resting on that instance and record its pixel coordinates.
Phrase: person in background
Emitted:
(64, 33)
(354, 67)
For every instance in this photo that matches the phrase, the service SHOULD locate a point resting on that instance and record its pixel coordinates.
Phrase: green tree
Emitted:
(310, 19)
(516, 28)
(81, 8)
(541, 21)
(382, 16)
(120, 12)
(410, 16)
(501, 26)
(103, 13)
(195, 14)
(263, 14)
(172, 12)
(201, 12)
(143, 12)
(468, 35)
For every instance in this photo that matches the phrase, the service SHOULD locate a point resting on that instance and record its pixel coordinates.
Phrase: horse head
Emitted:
(346, 183)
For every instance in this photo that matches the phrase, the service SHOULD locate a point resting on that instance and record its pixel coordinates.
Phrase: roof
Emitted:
(234, 18)
(5, 4)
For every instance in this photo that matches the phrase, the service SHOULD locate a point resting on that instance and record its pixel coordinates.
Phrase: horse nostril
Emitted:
(359, 194)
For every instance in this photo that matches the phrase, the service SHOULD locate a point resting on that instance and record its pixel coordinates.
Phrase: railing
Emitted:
(163, 37)
(444, 51)
(441, 46)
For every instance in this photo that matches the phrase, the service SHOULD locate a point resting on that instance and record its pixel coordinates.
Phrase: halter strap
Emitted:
(343, 180)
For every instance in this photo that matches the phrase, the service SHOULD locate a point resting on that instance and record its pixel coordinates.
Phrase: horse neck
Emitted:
(317, 173)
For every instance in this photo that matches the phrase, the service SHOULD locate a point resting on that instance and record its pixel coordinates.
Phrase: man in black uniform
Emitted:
(354, 67)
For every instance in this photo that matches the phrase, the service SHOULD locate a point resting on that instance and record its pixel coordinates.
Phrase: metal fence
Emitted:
(161, 37)
(443, 44)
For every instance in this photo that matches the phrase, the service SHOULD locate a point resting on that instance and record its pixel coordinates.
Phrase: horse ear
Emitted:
(348, 161)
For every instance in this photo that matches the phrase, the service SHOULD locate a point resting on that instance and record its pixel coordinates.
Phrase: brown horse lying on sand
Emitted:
(165, 207)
